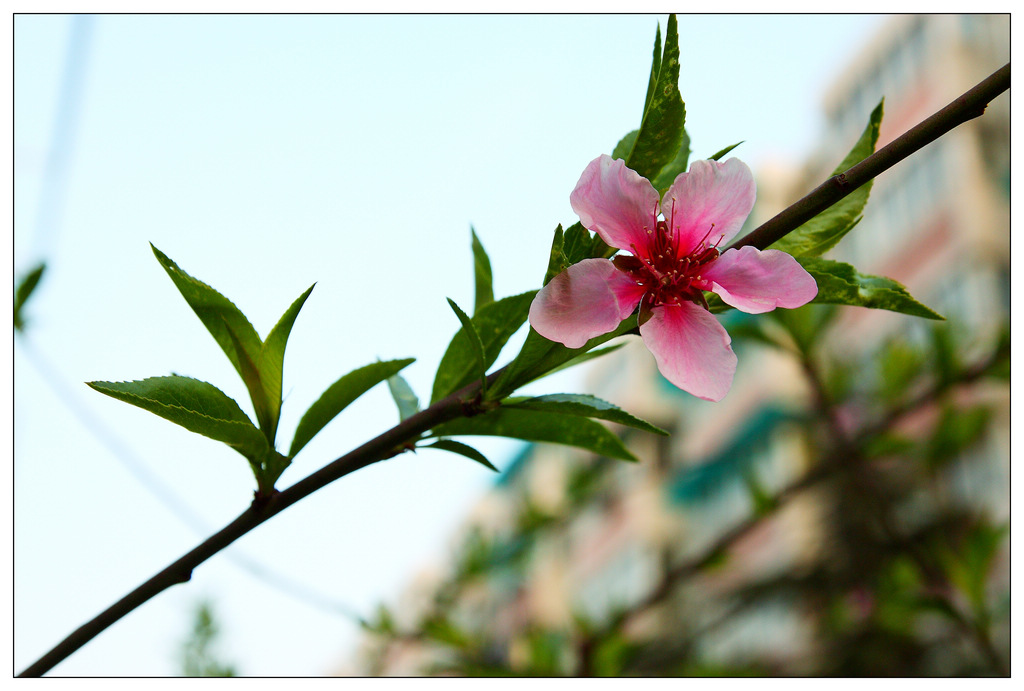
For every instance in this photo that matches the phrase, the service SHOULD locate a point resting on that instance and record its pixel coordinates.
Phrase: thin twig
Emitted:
(834, 462)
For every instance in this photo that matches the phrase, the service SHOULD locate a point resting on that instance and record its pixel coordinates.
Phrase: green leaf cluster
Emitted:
(202, 408)
(562, 418)
(840, 283)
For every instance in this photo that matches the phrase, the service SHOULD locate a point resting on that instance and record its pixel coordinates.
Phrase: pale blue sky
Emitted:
(265, 153)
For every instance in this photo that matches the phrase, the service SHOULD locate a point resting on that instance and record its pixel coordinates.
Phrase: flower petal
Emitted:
(691, 348)
(712, 192)
(615, 202)
(754, 281)
(586, 300)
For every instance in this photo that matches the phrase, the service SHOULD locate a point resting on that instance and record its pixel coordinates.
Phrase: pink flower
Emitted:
(673, 261)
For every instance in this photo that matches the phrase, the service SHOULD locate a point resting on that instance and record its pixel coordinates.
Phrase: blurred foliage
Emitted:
(908, 577)
(23, 291)
(198, 658)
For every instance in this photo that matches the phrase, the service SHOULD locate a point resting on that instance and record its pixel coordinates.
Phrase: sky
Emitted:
(265, 153)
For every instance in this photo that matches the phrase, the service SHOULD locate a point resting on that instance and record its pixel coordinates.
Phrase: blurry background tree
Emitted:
(198, 654)
(26, 286)
(871, 560)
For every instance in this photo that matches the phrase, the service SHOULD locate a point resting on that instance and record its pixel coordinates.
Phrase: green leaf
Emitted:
(482, 275)
(271, 362)
(337, 397)
(899, 365)
(440, 629)
(756, 330)
(494, 325)
(821, 233)
(251, 376)
(576, 245)
(625, 145)
(762, 501)
(841, 284)
(218, 314)
(661, 135)
(599, 248)
(583, 405)
(969, 567)
(556, 259)
(383, 624)
(407, 402)
(673, 168)
(539, 357)
(958, 429)
(715, 304)
(579, 244)
(538, 426)
(723, 152)
(652, 81)
(475, 344)
(463, 450)
(945, 360)
(664, 106)
(889, 444)
(580, 359)
(1000, 368)
(22, 293)
(268, 470)
(196, 405)
(612, 653)
(805, 325)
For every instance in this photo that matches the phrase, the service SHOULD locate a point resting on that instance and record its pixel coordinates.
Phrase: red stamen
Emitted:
(698, 245)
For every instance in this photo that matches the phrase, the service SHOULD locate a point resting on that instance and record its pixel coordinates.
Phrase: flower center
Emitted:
(668, 277)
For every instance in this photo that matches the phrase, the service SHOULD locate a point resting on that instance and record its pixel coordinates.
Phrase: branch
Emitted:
(970, 105)
(386, 445)
(834, 462)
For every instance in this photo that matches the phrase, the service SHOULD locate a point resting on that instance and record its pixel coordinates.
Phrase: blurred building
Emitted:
(568, 542)
(939, 221)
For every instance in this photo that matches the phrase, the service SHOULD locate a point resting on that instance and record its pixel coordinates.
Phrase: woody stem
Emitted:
(970, 105)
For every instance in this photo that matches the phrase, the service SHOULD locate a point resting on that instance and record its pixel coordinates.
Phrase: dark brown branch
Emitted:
(970, 105)
(385, 446)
